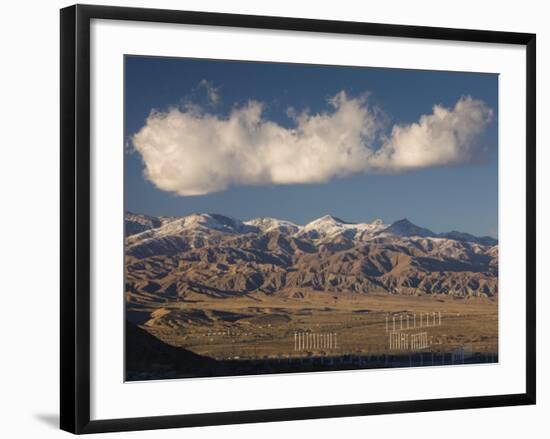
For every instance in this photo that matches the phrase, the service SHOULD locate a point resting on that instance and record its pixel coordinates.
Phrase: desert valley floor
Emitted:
(267, 328)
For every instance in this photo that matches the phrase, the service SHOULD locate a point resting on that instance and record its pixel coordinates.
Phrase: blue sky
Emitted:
(450, 196)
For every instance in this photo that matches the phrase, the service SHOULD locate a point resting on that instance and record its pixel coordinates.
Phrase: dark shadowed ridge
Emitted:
(339, 220)
(146, 354)
(404, 227)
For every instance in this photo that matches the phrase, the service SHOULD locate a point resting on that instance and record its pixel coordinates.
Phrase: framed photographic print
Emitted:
(341, 214)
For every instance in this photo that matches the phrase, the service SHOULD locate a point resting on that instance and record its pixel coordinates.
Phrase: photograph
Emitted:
(287, 218)
(272, 220)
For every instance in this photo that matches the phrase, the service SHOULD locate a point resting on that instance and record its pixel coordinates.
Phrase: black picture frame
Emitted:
(75, 217)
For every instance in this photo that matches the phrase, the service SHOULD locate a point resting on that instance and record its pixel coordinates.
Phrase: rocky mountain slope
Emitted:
(171, 258)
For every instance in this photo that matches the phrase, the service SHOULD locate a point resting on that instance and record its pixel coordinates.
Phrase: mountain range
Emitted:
(184, 257)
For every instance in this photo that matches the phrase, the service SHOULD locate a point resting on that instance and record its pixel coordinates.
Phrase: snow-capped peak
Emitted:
(200, 222)
(331, 226)
(326, 225)
(266, 224)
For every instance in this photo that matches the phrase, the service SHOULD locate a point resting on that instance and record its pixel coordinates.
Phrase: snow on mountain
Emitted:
(202, 223)
(405, 229)
(267, 224)
(329, 226)
(321, 230)
(467, 237)
(207, 222)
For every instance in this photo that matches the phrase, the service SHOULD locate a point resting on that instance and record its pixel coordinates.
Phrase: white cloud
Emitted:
(191, 152)
(445, 137)
(211, 91)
